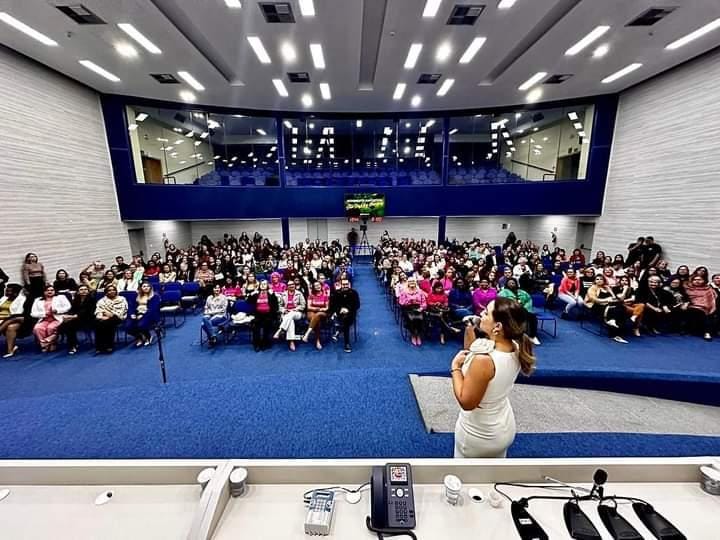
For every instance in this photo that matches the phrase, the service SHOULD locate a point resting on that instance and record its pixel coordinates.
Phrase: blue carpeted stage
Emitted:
(233, 402)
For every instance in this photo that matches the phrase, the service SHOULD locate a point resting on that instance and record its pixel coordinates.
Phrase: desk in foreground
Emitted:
(159, 499)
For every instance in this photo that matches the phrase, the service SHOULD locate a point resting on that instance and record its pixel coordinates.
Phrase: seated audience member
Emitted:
(48, 310)
(570, 292)
(513, 291)
(663, 271)
(231, 289)
(542, 281)
(206, 279)
(107, 280)
(460, 300)
(265, 309)
(110, 311)
(3, 280)
(168, 274)
(214, 314)
(618, 266)
(610, 276)
(127, 282)
(138, 271)
(715, 284)
(400, 284)
(680, 303)
(88, 281)
(152, 269)
(292, 306)
(483, 295)
(577, 258)
(406, 265)
(507, 274)
(633, 308)
(12, 311)
(33, 276)
(344, 305)
(81, 316)
(250, 287)
(602, 301)
(683, 273)
(64, 284)
(121, 264)
(437, 309)
(318, 304)
(147, 308)
(658, 305)
(96, 271)
(425, 283)
(413, 303)
(587, 279)
(445, 278)
(599, 260)
(702, 312)
(701, 271)
(521, 268)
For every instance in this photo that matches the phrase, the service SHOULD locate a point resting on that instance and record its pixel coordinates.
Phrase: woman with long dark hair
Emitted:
(483, 377)
(33, 275)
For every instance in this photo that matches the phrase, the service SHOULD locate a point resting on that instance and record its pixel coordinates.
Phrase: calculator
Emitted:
(320, 513)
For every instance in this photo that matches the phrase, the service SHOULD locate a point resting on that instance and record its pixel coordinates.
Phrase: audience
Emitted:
(12, 316)
(147, 307)
(215, 314)
(80, 316)
(110, 311)
(266, 309)
(318, 304)
(33, 276)
(292, 306)
(344, 306)
(48, 310)
(413, 302)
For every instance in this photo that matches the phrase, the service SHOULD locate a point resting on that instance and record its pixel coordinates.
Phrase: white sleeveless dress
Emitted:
(488, 430)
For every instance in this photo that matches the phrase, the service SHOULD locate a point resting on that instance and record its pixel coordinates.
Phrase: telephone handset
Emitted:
(392, 503)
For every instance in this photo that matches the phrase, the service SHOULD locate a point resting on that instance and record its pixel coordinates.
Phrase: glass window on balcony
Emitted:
(420, 151)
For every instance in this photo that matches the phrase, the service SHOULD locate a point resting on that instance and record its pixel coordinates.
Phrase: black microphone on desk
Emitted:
(599, 479)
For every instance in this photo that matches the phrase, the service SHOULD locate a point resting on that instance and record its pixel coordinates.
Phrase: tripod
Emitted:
(161, 356)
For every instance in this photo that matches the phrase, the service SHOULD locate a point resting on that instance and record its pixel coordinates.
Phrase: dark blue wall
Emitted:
(187, 202)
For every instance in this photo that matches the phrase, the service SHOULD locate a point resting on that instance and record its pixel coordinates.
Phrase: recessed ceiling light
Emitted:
(578, 125)
(307, 100)
(694, 35)
(261, 132)
(506, 4)
(325, 90)
(413, 55)
(100, 71)
(287, 124)
(540, 75)
(161, 139)
(132, 127)
(506, 134)
(187, 95)
(545, 139)
(431, 8)
(624, 71)
(475, 45)
(144, 42)
(307, 8)
(443, 52)
(317, 55)
(282, 90)
(573, 116)
(445, 87)
(399, 91)
(25, 29)
(140, 117)
(126, 50)
(179, 141)
(310, 126)
(581, 133)
(494, 143)
(416, 100)
(259, 49)
(593, 36)
(288, 52)
(192, 81)
(453, 131)
(430, 123)
(534, 95)
(601, 51)
(233, 4)
(358, 123)
(494, 136)
(190, 133)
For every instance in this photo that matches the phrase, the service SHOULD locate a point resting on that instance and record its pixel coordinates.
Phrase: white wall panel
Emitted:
(565, 227)
(665, 167)
(298, 230)
(177, 232)
(57, 184)
(269, 228)
(398, 227)
(486, 228)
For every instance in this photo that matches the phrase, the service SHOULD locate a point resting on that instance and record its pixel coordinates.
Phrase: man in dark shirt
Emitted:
(344, 304)
(651, 252)
(121, 264)
(635, 251)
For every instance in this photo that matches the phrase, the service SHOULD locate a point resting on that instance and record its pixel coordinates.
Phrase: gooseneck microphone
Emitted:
(599, 479)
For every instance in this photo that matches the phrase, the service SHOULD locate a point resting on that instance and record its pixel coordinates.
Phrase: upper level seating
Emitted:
(481, 175)
(242, 176)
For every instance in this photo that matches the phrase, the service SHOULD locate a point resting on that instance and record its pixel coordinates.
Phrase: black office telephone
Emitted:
(392, 503)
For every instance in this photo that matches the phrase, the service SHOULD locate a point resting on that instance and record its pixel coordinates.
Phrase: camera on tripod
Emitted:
(364, 218)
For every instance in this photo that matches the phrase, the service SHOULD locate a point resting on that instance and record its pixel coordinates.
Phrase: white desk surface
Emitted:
(137, 512)
(277, 512)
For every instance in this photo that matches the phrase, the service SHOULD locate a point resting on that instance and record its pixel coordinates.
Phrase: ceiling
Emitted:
(208, 39)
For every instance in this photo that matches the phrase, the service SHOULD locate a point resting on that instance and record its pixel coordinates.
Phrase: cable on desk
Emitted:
(529, 486)
(308, 493)
(382, 533)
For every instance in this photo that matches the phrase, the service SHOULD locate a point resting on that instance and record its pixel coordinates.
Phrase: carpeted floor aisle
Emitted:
(233, 402)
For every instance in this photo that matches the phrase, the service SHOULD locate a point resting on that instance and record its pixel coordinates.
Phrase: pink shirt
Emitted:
(278, 287)
(481, 299)
(263, 303)
(416, 297)
(318, 301)
(48, 311)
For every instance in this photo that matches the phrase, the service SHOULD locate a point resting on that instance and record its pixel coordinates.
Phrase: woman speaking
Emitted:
(483, 377)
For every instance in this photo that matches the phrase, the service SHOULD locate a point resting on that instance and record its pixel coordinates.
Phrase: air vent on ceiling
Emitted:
(299, 77)
(277, 12)
(165, 78)
(465, 14)
(557, 79)
(429, 78)
(80, 14)
(651, 16)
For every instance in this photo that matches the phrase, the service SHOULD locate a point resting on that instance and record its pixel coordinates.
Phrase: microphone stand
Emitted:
(161, 355)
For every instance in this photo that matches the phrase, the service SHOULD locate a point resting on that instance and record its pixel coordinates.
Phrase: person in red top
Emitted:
(317, 307)
(425, 283)
(437, 309)
(265, 309)
(570, 293)
(577, 257)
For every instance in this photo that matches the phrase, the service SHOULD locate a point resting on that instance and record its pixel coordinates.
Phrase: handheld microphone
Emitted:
(599, 479)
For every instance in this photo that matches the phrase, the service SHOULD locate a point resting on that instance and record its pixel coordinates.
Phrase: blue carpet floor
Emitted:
(232, 402)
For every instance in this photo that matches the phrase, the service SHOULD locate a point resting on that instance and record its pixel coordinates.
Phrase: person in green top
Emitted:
(513, 291)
